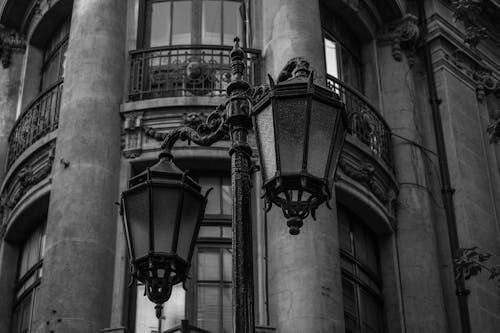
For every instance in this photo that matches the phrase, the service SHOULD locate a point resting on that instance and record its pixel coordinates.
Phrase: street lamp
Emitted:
(161, 241)
(293, 120)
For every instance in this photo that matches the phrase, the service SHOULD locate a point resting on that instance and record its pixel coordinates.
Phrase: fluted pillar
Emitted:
(76, 290)
(416, 239)
(305, 292)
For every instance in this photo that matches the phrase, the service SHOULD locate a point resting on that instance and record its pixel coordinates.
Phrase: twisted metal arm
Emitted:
(214, 129)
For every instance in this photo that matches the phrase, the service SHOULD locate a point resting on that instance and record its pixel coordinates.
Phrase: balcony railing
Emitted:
(193, 70)
(365, 122)
(38, 119)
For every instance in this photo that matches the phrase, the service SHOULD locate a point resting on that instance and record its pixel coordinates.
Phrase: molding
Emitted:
(10, 41)
(35, 169)
(403, 35)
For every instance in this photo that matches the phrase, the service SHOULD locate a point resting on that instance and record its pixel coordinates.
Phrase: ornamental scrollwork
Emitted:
(10, 41)
(404, 36)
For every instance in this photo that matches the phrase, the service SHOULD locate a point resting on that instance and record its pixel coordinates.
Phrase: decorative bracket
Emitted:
(403, 35)
(10, 41)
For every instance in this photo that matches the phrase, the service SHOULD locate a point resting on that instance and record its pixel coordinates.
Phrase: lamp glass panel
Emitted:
(165, 207)
(321, 130)
(137, 213)
(265, 131)
(291, 115)
(339, 140)
(191, 208)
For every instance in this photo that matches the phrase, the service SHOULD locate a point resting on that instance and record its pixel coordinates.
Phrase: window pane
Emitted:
(181, 25)
(160, 24)
(227, 260)
(370, 313)
(227, 199)
(51, 71)
(331, 58)
(208, 264)
(209, 231)
(173, 310)
(227, 319)
(351, 70)
(208, 307)
(233, 25)
(211, 22)
(213, 204)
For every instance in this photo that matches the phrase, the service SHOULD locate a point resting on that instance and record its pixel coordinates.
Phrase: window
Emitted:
(207, 303)
(54, 57)
(184, 22)
(361, 283)
(342, 63)
(28, 280)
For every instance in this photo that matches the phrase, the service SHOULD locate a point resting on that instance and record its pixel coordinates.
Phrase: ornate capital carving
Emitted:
(10, 41)
(403, 35)
(482, 76)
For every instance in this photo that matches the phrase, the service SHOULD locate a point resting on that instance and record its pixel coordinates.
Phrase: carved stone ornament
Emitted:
(132, 136)
(365, 175)
(10, 41)
(483, 77)
(404, 36)
(469, 13)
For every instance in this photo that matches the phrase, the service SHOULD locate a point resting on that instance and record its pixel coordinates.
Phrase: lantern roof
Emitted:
(164, 171)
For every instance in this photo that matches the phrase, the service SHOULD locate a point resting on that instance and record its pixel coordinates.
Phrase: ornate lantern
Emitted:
(162, 211)
(300, 129)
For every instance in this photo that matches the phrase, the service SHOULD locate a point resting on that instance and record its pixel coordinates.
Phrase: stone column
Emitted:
(77, 284)
(305, 290)
(10, 82)
(292, 29)
(10, 85)
(416, 240)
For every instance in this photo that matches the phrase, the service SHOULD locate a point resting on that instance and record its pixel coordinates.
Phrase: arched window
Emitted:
(187, 22)
(207, 303)
(28, 279)
(361, 281)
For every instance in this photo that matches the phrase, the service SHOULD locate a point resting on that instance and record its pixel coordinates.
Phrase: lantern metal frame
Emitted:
(233, 119)
(299, 194)
(160, 271)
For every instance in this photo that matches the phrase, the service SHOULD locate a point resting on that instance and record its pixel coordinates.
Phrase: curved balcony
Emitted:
(38, 119)
(365, 122)
(192, 70)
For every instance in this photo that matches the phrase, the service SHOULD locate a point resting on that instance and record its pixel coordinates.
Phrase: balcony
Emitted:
(39, 119)
(193, 70)
(364, 121)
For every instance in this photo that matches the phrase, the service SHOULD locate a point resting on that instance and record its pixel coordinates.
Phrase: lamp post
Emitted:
(293, 120)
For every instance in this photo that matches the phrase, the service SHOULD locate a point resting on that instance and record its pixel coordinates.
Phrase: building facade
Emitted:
(87, 85)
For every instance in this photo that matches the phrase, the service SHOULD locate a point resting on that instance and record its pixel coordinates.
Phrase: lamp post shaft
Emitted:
(241, 165)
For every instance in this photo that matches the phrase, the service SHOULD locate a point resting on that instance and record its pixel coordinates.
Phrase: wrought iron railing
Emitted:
(192, 70)
(38, 119)
(365, 121)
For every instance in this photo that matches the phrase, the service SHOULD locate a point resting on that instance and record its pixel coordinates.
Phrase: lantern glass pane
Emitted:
(191, 208)
(290, 116)
(321, 130)
(339, 140)
(265, 131)
(137, 213)
(165, 207)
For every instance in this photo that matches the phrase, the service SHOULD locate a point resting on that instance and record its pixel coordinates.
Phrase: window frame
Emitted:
(342, 47)
(30, 292)
(358, 266)
(58, 50)
(144, 26)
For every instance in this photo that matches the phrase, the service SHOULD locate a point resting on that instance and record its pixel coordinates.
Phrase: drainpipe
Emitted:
(446, 190)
